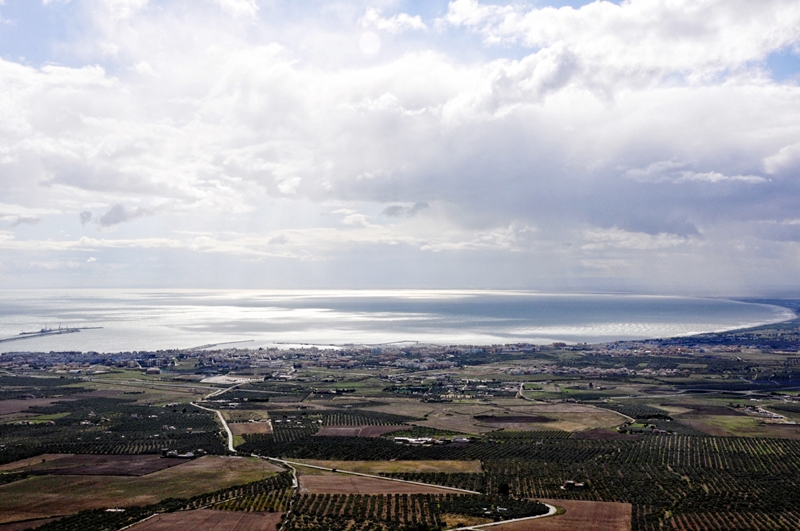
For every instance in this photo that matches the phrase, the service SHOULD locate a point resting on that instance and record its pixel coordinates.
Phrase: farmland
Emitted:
(47, 495)
(582, 515)
(210, 519)
(665, 434)
(334, 483)
(389, 467)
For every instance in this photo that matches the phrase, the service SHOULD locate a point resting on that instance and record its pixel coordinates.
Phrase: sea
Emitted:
(159, 319)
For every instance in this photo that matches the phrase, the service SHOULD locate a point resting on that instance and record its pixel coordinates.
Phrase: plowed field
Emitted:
(580, 515)
(212, 520)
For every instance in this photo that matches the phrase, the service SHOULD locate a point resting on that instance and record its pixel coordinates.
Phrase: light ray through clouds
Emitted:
(640, 145)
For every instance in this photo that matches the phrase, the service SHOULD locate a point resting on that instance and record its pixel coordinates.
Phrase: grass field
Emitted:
(740, 426)
(32, 461)
(44, 496)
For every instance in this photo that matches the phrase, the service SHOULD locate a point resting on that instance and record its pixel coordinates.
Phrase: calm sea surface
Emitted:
(161, 319)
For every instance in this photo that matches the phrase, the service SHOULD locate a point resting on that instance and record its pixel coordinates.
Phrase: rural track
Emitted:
(219, 413)
(551, 510)
(224, 425)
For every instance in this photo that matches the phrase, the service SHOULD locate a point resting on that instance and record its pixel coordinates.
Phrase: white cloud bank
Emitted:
(640, 145)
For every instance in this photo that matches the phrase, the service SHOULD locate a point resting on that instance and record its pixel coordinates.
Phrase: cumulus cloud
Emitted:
(659, 36)
(639, 127)
(239, 8)
(398, 23)
(785, 160)
(118, 9)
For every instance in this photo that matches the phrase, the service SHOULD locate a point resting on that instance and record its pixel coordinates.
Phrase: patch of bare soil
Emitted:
(7, 407)
(102, 465)
(210, 519)
(31, 461)
(244, 428)
(512, 419)
(579, 515)
(27, 524)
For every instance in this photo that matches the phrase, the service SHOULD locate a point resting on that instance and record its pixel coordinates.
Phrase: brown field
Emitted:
(28, 524)
(95, 465)
(703, 409)
(513, 419)
(8, 407)
(46, 496)
(203, 519)
(24, 463)
(357, 431)
(698, 424)
(388, 467)
(335, 483)
(242, 428)
(579, 515)
(462, 417)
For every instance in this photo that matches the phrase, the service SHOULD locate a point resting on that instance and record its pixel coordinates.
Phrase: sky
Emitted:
(647, 146)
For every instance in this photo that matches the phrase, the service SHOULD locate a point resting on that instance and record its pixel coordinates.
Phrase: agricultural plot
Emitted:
(95, 465)
(104, 520)
(638, 412)
(400, 511)
(241, 428)
(45, 496)
(669, 480)
(291, 425)
(23, 387)
(337, 483)
(742, 482)
(10, 407)
(210, 519)
(461, 480)
(24, 526)
(355, 431)
(724, 421)
(111, 426)
(478, 419)
(271, 501)
(582, 515)
(392, 467)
